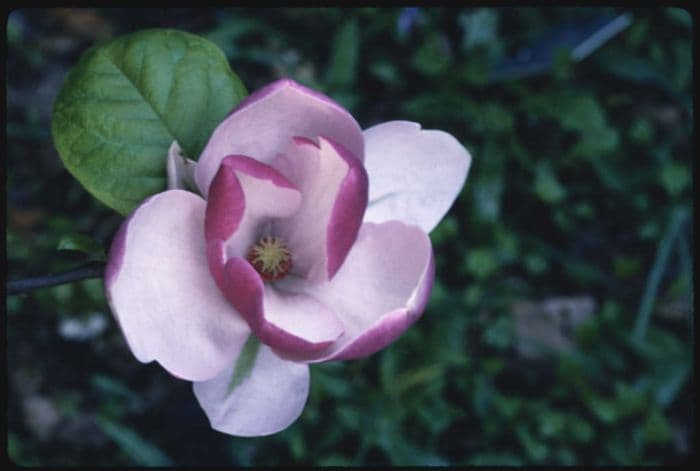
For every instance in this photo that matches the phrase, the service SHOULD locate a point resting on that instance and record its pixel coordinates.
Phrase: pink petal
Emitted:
(289, 322)
(160, 291)
(414, 175)
(380, 291)
(244, 195)
(334, 188)
(268, 399)
(263, 124)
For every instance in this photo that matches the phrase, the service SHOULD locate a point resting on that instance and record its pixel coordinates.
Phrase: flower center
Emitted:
(270, 257)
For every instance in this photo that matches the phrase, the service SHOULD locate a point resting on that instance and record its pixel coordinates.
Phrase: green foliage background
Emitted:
(581, 185)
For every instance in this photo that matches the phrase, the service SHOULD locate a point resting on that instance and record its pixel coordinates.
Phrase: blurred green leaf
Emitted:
(113, 387)
(482, 262)
(344, 56)
(536, 450)
(551, 423)
(83, 243)
(580, 430)
(480, 31)
(656, 428)
(536, 264)
(139, 450)
(676, 220)
(630, 400)
(446, 230)
(434, 56)
(641, 132)
(508, 406)
(493, 365)
(547, 186)
(669, 368)
(680, 16)
(495, 458)
(626, 267)
(603, 408)
(229, 33)
(499, 333)
(562, 64)
(675, 178)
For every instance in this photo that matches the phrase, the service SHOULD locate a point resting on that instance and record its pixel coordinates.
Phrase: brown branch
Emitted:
(91, 270)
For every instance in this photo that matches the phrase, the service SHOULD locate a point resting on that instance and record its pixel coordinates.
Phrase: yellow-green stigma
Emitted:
(270, 257)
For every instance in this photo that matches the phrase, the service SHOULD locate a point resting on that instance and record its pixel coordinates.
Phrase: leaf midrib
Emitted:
(160, 117)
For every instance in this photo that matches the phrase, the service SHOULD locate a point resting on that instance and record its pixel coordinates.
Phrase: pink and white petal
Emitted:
(244, 195)
(159, 288)
(380, 291)
(266, 400)
(414, 175)
(179, 169)
(333, 183)
(263, 124)
(289, 322)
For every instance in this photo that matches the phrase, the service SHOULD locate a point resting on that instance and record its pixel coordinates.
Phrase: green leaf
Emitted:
(245, 362)
(479, 29)
(127, 100)
(434, 56)
(656, 428)
(547, 186)
(604, 409)
(499, 333)
(675, 178)
(133, 445)
(495, 459)
(536, 450)
(343, 66)
(579, 429)
(482, 262)
(663, 251)
(82, 243)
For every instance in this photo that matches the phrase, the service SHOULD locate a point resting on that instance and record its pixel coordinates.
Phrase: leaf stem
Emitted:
(91, 270)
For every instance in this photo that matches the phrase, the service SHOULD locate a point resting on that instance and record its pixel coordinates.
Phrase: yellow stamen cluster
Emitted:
(271, 258)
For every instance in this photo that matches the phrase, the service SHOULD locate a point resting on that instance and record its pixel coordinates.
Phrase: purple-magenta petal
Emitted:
(263, 125)
(270, 194)
(225, 205)
(382, 289)
(348, 209)
(390, 326)
(288, 322)
(334, 187)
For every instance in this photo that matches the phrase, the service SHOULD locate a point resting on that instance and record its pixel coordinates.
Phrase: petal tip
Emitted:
(348, 209)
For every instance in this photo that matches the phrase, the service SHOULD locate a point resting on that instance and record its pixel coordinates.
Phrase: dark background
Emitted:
(560, 326)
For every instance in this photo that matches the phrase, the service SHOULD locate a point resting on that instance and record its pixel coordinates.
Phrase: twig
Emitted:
(91, 270)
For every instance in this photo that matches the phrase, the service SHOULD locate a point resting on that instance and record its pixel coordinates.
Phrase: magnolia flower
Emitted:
(311, 245)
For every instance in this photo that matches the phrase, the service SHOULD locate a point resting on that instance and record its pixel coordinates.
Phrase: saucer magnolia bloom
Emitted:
(311, 245)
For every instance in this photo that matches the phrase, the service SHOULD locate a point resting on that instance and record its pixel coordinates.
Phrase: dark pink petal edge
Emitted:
(254, 168)
(390, 326)
(226, 201)
(348, 210)
(115, 257)
(281, 84)
(244, 289)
